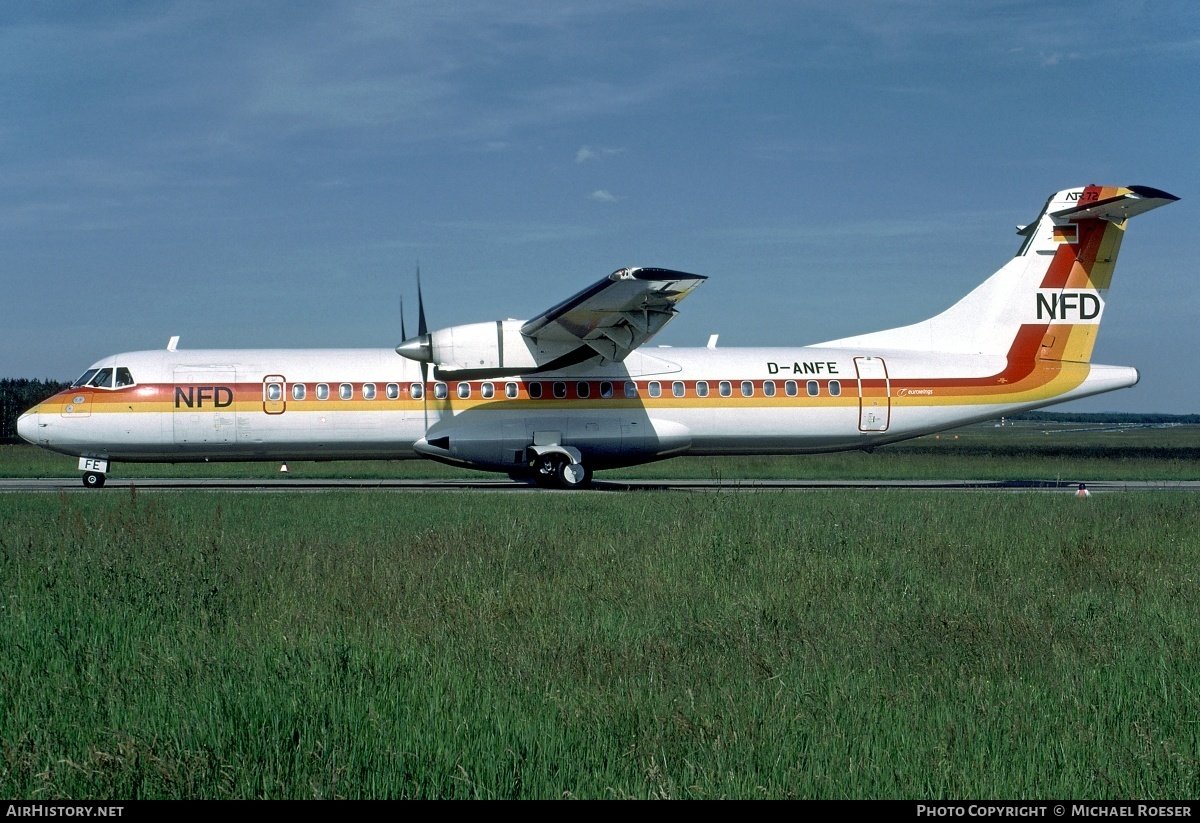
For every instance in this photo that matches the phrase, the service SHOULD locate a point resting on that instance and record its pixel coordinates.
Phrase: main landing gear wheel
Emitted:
(557, 471)
(573, 475)
(93, 480)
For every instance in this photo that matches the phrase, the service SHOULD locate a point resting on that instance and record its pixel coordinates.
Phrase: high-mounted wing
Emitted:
(617, 314)
(607, 320)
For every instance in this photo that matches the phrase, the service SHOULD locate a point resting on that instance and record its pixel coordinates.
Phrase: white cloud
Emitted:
(602, 196)
(587, 153)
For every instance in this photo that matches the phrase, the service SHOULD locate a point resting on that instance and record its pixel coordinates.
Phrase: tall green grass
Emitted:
(865, 644)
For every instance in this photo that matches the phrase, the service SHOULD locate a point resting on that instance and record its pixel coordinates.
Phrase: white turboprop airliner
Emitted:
(570, 391)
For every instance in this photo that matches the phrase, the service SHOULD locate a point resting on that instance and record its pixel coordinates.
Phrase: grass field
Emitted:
(349, 644)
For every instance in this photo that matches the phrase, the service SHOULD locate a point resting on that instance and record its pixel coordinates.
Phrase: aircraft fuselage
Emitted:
(370, 403)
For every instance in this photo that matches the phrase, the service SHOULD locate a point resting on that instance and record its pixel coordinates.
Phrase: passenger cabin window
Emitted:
(440, 391)
(416, 391)
(487, 390)
(702, 388)
(560, 390)
(835, 387)
(677, 388)
(582, 389)
(392, 390)
(726, 388)
(606, 389)
(298, 391)
(747, 388)
(274, 392)
(535, 390)
(813, 388)
(630, 389)
(322, 391)
(790, 388)
(124, 378)
(464, 391)
(368, 391)
(511, 390)
(655, 388)
(769, 388)
(345, 391)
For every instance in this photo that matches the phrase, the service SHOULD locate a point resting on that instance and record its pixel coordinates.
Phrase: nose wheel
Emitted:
(93, 480)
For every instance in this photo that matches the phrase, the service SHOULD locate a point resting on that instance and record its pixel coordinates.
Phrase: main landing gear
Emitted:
(556, 470)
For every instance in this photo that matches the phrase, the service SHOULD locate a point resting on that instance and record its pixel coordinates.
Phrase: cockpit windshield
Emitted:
(85, 378)
(106, 378)
(102, 380)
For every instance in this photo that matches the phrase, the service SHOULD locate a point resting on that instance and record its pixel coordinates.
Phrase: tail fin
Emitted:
(1056, 283)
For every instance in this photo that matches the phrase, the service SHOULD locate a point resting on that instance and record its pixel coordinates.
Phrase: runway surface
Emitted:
(506, 486)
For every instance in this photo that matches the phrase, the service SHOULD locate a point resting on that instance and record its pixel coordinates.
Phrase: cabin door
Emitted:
(274, 394)
(874, 394)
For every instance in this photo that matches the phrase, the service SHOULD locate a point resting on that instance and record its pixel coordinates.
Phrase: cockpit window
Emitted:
(85, 378)
(102, 380)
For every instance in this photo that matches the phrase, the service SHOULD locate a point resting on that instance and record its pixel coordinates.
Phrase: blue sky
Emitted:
(271, 173)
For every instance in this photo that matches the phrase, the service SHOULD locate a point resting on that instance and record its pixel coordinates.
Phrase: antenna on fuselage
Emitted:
(712, 340)
(172, 343)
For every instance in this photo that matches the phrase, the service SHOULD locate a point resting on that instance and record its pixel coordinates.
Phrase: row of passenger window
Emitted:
(557, 389)
(746, 387)
(345, 391)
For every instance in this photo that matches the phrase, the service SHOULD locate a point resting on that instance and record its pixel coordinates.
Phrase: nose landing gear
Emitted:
(94, 469)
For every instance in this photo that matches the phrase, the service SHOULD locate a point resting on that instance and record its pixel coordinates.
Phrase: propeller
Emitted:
(419, 348)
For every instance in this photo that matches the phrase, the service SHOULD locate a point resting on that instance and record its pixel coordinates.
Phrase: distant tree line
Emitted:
(18, 396)
(1107, 417)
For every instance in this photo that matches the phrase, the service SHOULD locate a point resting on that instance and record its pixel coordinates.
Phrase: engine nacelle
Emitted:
(496, 348)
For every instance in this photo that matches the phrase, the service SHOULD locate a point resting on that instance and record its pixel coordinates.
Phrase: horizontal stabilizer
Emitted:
(1128, 203)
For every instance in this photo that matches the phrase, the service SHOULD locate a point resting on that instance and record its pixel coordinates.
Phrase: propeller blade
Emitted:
(423, 335)
(420, 347)
(422, 327)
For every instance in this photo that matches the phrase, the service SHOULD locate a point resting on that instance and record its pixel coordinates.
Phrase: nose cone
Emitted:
(418, 348)
(27, 426)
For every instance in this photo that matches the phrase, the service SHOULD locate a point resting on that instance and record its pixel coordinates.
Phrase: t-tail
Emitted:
(1048, 300)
